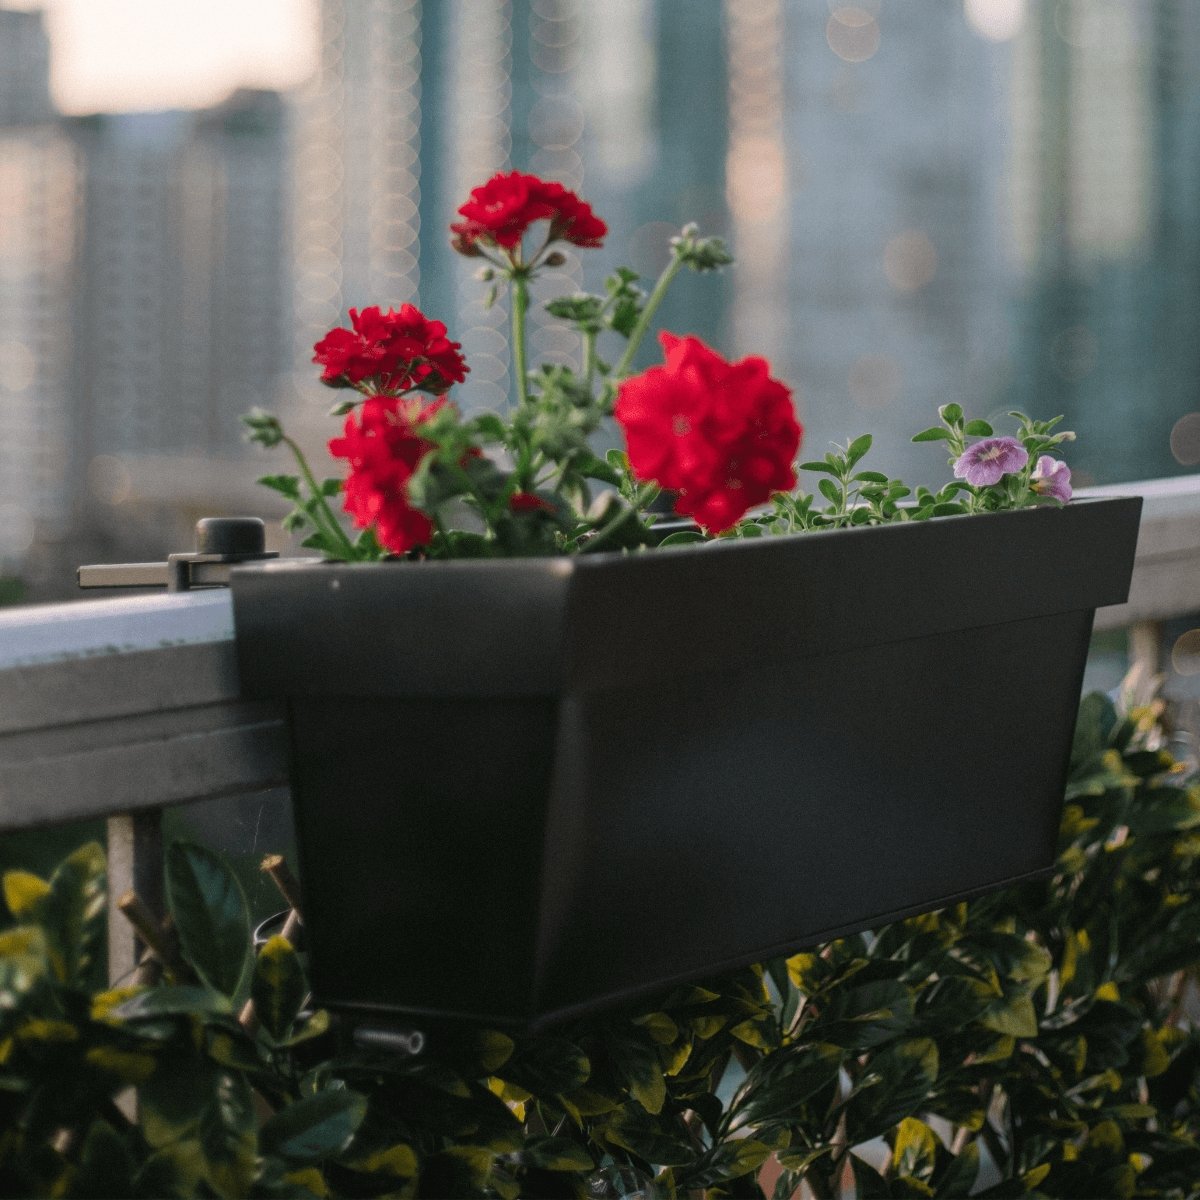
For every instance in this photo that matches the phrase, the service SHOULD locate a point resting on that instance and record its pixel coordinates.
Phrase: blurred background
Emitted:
(990, 201)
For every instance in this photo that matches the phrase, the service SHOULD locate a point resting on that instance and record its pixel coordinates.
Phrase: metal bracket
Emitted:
(220, 543)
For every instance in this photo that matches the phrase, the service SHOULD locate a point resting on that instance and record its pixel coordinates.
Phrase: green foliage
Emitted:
(857, 497)
(1031, 1042)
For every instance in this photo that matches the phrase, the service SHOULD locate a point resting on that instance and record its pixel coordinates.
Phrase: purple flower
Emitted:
(1051, 477)
(989, 460)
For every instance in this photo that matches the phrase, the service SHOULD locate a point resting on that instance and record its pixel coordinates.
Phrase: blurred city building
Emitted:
(995, 202)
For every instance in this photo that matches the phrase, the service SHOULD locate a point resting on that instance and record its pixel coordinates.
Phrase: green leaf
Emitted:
(556, 1154)
(72, 912)
(684, 537)
(314, 1128)
(581, 309)
(174, 1001)
(633, 1129)
(870, 477)
(858, 1017)
(591, 467)
(779, 1086)
(107, 1166)
(978, 429)
(868, 1183)
(624, 315)
(279, 988)
(331, 487)
(23, 893)
(637, 1063)
(619, 461)
(1012, 1015)
(830, 491)
(951, 413)
(823, 467)
(936, 434)
(895, 1085)
(547, 1065)
(285, 485)
(488, 427)
(211, 916)
(958, 1177)
(857, 449)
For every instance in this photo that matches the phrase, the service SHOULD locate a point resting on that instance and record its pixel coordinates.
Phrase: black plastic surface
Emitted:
(531, 788)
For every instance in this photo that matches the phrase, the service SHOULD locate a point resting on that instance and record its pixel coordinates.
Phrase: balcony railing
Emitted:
(120, 708)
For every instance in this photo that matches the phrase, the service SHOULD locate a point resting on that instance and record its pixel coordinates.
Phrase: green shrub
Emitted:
(1030, 1042)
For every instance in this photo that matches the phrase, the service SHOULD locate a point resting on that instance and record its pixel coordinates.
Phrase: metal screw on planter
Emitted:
(395, 1041)
(220, 542)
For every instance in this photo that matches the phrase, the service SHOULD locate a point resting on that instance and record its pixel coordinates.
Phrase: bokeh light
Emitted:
(910, 260)
(874, 381)
(18, 366)
(1185, 440)
(995, 20)
(852, 33)
(1185, 654)
(108, 479)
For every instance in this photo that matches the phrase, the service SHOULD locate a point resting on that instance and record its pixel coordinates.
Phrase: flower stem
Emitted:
(328, 522)
(589, 358)
(520, 306)
(643, 322)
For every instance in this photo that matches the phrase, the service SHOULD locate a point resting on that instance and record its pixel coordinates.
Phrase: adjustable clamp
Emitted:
(221, 542)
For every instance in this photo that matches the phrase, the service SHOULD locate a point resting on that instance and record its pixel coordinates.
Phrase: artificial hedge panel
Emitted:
(1033, 1042)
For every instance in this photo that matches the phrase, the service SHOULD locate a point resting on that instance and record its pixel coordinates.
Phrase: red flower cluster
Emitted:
(501, 210)
(723, 435)
(396, 351)
(383, 449)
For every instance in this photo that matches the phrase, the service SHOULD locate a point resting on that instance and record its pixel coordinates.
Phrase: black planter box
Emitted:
(527, 789)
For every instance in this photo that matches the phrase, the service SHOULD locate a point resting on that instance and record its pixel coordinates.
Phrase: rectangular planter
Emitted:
(526, 789)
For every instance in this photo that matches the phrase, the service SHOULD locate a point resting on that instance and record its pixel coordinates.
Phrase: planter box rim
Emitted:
(562, 566)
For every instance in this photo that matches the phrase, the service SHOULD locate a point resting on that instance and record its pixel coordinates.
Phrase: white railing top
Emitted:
(55, 632)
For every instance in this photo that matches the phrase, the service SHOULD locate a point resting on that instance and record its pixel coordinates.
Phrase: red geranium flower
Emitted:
(396, 351)
(501, 210)
(383, 448)
(723, 435)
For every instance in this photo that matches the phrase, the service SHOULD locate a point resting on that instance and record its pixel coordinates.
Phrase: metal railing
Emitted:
(117, 709)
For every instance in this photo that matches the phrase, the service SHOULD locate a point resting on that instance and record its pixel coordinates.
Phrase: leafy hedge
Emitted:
(1030, 1042)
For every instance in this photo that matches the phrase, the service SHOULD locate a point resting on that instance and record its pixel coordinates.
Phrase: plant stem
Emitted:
(643, 322)
(589, 358)
(520, 306)
(332, 525)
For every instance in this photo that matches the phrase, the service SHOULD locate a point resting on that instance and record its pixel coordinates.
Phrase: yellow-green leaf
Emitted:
(399, 1160)
(495, 1049)
(128, 1066)
(23, 891)
(659, 1026)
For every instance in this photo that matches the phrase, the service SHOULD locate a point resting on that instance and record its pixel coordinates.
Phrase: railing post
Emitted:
(1145, 647)
(135, 863)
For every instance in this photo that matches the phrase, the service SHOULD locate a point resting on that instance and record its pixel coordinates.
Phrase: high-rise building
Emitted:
(895, 285)
(183, 315)
(39, 189)
(24, 69)
(1110, 252)
(414, 104)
